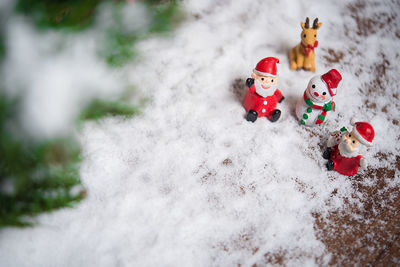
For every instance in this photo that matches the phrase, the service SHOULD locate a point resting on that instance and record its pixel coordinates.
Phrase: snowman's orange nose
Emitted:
(316, 94)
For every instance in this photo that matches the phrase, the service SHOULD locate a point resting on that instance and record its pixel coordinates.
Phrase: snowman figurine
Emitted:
(313, 107)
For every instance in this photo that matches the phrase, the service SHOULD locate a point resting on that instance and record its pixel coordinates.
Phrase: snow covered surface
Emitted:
(190, 182)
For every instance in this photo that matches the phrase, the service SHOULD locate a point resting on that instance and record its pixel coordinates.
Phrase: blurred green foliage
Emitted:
(34, 177)
(165, 15)
(2, 49)
(118, 46)
(99, 108)
(37, 177)
(67, 14)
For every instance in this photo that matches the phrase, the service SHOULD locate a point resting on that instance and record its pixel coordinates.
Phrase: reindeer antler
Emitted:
(315, 24)
(307, 25)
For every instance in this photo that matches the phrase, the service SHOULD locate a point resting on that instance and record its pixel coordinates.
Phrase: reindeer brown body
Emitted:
(303, 55)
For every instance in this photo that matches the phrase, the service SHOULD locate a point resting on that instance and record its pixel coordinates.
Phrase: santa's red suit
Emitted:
(349, 164)
(264, 106)
(345, 165)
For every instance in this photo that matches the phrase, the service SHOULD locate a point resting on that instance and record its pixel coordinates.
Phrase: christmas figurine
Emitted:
(303, 55)
(342, 152)
(313, 106)
(262, 93)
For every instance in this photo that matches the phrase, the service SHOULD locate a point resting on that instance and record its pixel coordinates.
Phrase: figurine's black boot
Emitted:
(330, 165)
(275, 115)
(252, 115)
(249, 82)
(327, 153)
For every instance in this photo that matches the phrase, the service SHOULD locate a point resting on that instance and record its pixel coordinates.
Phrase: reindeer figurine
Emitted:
(303, 55)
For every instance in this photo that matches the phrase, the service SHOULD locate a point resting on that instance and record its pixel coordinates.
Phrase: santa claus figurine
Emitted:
(262, 93)
(342, 152)
(317, 100)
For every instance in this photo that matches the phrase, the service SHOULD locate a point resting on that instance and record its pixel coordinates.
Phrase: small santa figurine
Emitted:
(317, 100)
(342, 152)
(262, 93)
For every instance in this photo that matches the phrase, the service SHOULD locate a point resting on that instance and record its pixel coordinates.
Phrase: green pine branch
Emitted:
(99, 108)
(71, 15)
(117, 48)
(34, 177)
(37, 177)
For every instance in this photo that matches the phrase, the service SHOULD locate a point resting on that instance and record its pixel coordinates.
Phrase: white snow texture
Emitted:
(190, 182)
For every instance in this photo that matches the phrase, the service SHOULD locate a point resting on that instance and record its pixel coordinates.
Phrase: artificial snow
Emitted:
(190, 182)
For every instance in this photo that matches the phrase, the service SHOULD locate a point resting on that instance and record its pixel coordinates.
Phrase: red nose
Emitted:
(316, 94)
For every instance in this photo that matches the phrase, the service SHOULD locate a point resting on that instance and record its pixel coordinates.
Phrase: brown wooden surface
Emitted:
(368, 234)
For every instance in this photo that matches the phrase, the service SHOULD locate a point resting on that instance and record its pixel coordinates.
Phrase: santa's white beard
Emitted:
(345, 150)
(265, 92)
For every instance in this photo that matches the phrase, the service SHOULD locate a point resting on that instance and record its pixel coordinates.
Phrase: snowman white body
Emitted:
(317, 92)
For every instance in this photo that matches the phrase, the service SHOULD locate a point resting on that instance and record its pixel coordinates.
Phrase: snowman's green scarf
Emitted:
(325, 108)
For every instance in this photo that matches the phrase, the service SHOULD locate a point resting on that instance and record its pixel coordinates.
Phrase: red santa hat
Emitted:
(267, 67)
(332, 79)
(364, 132)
